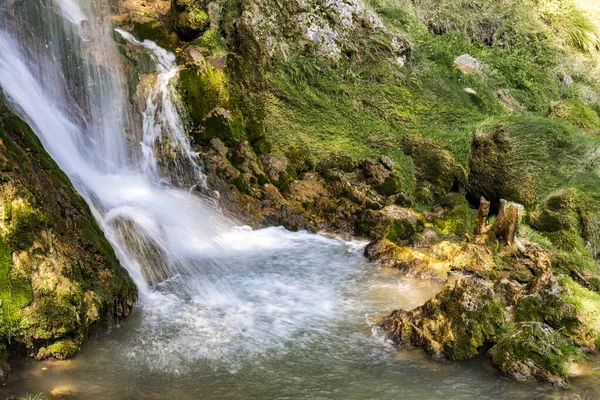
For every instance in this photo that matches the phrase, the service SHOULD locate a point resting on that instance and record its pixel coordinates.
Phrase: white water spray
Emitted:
(162, 123)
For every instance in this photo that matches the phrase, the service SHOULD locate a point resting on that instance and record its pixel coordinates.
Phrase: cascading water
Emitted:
(206, 289)
(224, 312)
(162, 124)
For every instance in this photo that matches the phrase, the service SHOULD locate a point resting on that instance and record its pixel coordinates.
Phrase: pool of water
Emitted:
(279, 315)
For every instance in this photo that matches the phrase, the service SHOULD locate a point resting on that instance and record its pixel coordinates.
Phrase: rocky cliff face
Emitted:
(59, 276)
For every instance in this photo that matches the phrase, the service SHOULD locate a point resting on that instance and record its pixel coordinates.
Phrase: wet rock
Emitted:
(62, 274)
(411, 262)
(455, 324)
(534, 351)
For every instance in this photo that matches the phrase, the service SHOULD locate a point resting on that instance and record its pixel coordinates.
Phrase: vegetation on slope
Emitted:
(58, 274)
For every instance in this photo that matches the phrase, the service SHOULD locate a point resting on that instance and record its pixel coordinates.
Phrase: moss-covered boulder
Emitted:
(59, 276)
(328, 28)
(437, 171)
(534, 351)
(566, 218)
(495, 172)
(189, 18)
(455, 324)
(202, 89)
(452, 216)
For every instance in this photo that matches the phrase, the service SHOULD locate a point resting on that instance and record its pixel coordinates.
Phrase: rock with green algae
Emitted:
(437, 171)
(189, 18)
(203, 89)
(534, 351)
(455, 324)
(58, 274)
(565, 306)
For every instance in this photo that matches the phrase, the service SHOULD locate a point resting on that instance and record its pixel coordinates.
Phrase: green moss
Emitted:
(481, 328)
(150, 29)
(212, 41)
(202, 90)
(587, 306)
(242, 184)
(15, 294)
(189, 19)
(60, 350)
(220, 124)
(577, 114)
(458, 218)
(63, 254)
(398, 231)
(437, 171)
(569, 219)
(22, 223)
(547, 308)
(545, 351)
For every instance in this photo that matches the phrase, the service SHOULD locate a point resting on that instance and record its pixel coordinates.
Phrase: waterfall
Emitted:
(208, 290)
(58, 70)
(162, 121)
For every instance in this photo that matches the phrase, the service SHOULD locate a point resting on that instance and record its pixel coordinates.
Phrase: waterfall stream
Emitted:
(224, 311)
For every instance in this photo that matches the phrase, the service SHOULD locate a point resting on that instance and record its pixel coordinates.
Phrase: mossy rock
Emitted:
(586, 332)
(145, 28)
(561, 220)
(336, 161)
(565, 306)
(494, 171)
(202, 89)
(455, 324)
(437, 171)
(189, 18)
(458, 218)
(59, 276)
(219, 124)
(60, 350)
(210, 40)
(534, 351)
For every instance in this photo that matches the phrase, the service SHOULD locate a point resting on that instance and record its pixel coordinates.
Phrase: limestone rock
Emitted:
(469, 65)
(331, 27)
(454, 324)
(533, 351)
